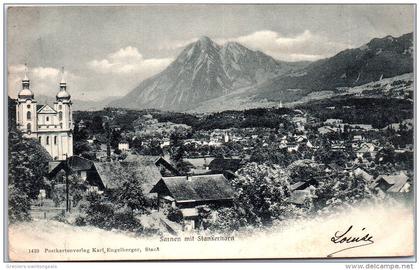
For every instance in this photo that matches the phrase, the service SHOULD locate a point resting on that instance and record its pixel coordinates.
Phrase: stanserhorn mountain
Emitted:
(203, 71)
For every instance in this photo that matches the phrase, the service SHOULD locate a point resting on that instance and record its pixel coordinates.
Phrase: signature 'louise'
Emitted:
(348, 237)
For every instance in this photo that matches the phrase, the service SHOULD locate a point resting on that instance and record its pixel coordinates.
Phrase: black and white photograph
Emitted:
(144, 132)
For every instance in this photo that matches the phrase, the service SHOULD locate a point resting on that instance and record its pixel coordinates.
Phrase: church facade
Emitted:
(51, 126)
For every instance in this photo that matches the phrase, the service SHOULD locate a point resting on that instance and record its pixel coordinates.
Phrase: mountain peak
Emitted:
(205, 41)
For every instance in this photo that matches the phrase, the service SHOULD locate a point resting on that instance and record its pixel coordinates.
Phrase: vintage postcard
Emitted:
(210, 131)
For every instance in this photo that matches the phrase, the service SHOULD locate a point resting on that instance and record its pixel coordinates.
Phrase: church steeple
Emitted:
(63, 94)
(25, 93)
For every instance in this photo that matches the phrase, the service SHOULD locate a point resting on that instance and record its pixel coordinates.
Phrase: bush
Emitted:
(80, 221)
(174, 215)
(222, 219)
(102, 213)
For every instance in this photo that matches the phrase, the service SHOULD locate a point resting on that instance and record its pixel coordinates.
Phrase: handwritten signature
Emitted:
(347, 238)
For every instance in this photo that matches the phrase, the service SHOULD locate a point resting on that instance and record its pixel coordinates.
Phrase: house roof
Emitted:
(221, 164)
(74, 163)
(297, 185)
(77, 163)
(397, 181)
(199, 188)
(108, 172)
(142, 167)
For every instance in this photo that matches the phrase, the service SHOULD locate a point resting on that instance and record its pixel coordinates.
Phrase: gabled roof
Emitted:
(46, 109)
(73, 163)
(297, 185)
(221, 164)
(199, 188)
(144, 169)
(77, 163)
(397, 181)
(108, 173)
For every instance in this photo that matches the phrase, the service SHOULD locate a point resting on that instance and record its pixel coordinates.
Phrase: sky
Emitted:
(106, 51)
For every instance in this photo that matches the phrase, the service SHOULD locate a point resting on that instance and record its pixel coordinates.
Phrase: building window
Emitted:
(28, 126)
(60, 107)
(60, 116)
(55, 139)
(48, 119)
(28, 115)
(28, 106)
(40, 139)
(48, 140)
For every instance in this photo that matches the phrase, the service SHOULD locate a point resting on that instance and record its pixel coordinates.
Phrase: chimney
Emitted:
(189, 176)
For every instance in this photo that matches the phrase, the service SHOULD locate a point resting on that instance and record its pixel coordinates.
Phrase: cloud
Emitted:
(303, 46)
(44, 80)
(130, 61)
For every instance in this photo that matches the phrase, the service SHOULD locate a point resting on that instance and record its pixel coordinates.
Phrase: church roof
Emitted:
(46, 109)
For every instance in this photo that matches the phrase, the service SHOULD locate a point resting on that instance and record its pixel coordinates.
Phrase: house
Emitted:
(292, 147)
(123, 146)
(392, 183)
(364, 148)
(164, 143)
(106, 175)
(147, 168)
(82, 167)
(193, 190)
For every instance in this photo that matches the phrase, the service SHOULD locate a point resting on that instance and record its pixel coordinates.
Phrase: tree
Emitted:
(28, 163)
(261, 192)
(129, 192)
(304, 170)
(96, 126)
(19, 205)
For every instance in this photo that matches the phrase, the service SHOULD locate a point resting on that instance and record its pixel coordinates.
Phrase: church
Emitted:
(51, 126)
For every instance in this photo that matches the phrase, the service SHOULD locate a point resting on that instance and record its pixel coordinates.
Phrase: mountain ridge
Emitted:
(205, 71)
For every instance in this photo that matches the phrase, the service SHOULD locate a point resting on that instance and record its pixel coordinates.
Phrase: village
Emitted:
(184, 172)
(152, 171)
